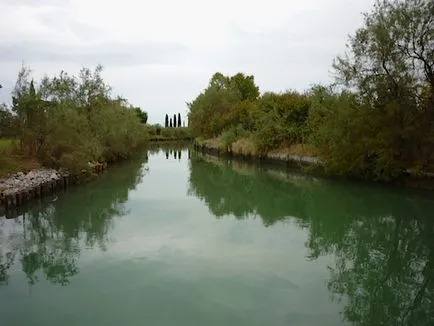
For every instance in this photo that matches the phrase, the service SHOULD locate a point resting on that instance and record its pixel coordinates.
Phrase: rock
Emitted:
(21, 182)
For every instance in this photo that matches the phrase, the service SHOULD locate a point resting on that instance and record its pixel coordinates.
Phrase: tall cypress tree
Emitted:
(166, 121)
(170, 122)
(174, 120)
(179, 120)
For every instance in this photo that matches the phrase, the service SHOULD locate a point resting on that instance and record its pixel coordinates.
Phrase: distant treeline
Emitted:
(175, 122)
(375, 121)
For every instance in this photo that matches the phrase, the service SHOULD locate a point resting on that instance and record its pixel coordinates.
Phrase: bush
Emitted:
(176, 133)
(67, 121)
(228, 138)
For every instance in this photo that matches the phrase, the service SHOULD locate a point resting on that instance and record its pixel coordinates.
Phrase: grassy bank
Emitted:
(247, 147)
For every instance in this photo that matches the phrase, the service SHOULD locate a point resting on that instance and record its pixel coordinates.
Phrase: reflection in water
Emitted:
(382, 240)
(176, 154)
(47, 237)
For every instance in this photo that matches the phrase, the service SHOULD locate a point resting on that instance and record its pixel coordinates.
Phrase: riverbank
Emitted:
(245, 150)
(170, 139)
(21, 188)
(296, 158)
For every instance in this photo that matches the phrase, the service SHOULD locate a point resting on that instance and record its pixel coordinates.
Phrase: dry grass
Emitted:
(214, 143)
(244, 146)
(297, 149)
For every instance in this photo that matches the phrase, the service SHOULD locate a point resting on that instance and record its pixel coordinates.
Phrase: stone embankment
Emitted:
(275, 157)
(20, 188)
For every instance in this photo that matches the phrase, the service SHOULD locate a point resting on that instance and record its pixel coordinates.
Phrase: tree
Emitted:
(67, 121)
(245, 86)
(166, 121)
(179, 120)
(211, 112)
(8, 123)
(170, 123)
(143, 116)
(390, 67)
(174, 121)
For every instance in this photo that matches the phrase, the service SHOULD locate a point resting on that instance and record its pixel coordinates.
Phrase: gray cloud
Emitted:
(109, 53)
(58, 20)
(36, 3)
(159, 56)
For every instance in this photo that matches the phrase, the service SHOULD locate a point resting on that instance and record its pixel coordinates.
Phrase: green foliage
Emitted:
(68, 121)
(228, 138)
(143, 116)
(391, 70)
(8, 123)
(282, 120)
(377, 124)
(176, 133)
(166, 121)
(154, 130)
(210, 112)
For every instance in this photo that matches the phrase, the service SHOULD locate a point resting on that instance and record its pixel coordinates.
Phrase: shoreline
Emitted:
(164, 140)
(290, 160)
(309, 164)
(23, 187)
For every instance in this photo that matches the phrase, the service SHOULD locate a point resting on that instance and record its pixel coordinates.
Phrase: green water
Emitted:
(192, 240)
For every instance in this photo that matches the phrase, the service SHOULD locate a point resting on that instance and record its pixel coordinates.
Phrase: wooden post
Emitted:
(38, 191)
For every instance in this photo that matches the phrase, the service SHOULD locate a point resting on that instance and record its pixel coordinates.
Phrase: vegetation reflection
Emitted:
(381, 238)
(47, 238)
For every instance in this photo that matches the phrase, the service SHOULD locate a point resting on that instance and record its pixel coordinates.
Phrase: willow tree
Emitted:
(389, 67)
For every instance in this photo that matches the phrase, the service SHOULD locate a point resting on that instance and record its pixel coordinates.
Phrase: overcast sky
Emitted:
(161, 54)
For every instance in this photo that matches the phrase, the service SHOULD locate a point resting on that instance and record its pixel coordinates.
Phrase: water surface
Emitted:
(173, 238)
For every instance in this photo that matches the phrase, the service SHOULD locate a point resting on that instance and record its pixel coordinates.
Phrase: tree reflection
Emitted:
(53, 232)
(382, 239)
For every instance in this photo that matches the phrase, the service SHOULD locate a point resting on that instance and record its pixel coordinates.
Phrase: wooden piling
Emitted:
(11, 200)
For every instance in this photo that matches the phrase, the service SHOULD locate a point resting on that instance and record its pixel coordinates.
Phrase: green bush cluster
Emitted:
(176, 133)
(67, 121)
(157, 132)
(376, 121)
